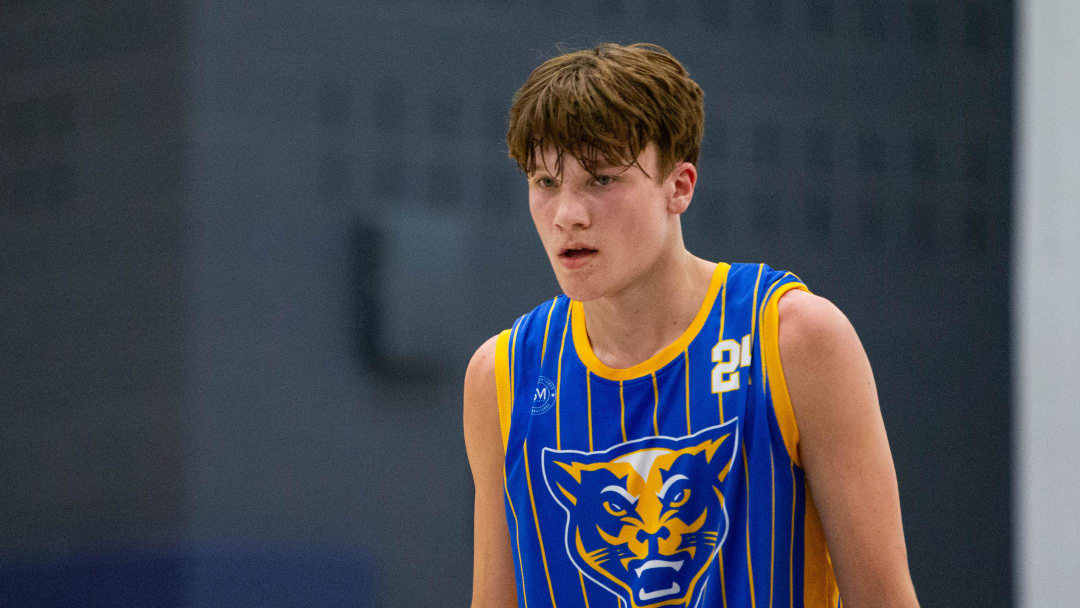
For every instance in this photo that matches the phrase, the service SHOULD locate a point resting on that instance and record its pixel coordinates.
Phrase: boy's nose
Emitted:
(571, 212)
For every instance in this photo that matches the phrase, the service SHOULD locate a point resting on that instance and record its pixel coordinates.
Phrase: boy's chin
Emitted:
(579, 291)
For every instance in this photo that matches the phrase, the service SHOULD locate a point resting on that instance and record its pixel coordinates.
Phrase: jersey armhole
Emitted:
(781, 400)
(503, 384)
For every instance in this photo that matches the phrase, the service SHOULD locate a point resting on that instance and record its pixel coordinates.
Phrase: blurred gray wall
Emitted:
(1046, 293)
(93, 297)
(246, 253)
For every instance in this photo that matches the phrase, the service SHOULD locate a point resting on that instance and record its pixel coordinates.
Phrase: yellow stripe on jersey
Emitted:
(584, 593)
(770, 345)
(622, 410)
(517, 536)
(761, 314)
(749, 560)
(819, 582)
(558, 385)
(723, 315)
(661, 358)
(588, 401)
(547, 326)
(723, 582)
(656, 405)
(753, 314)
(772, 541)
(511, 365)
(686, 365)
(791, 547)
(513, 359)
(536, 520)
(720, 406)
(502, 383)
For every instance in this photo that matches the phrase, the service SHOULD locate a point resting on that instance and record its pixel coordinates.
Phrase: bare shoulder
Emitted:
(845, 451)
(480, 414)
(825, 366)
(481, 399)
(809, 322)
(484, 356)
(480, 373)
(493, 571)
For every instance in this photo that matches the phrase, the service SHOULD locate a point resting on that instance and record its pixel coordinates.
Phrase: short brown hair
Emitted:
(608, 103)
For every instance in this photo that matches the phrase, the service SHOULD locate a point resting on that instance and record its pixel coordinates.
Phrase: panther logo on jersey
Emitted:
(645, 518)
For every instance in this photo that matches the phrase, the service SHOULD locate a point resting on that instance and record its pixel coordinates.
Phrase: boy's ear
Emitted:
(683, 178)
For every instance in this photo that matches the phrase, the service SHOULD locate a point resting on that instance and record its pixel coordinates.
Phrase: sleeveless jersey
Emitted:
(675, 482)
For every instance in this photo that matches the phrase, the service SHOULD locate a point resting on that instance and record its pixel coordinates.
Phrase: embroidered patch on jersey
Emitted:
(544, 397)
(645, 518)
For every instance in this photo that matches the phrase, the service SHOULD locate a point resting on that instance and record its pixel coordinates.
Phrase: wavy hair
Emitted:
(606, 104)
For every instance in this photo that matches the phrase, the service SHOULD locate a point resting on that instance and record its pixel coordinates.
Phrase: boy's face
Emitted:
(605, 234)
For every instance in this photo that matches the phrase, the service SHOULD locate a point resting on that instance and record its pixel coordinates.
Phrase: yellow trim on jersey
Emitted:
(588, 393)
(753, 311)
(622, 411)
(517, 535)
(656, 405)
(686, 364)
(547, 326)
(791, 546)
(761, 308)
(819, 581)
(502, 384)
(772, 538)
(720, 395)
(660, 359)
(723, 584)
(536, 520)
(584, 594)
(753, 315)
(558, 387)
(770, 345)
(749, 560)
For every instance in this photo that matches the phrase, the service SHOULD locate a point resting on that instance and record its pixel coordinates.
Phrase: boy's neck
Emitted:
(629, 327)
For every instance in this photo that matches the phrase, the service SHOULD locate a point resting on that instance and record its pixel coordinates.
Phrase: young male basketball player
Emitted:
(671, 431)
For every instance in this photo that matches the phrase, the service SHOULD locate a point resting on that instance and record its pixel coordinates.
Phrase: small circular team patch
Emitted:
(544, 397)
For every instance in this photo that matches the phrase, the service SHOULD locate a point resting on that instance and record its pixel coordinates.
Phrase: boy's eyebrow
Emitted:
(606, 165)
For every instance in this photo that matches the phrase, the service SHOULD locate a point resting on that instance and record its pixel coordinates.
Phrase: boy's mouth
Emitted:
(576, 256)
(576, 253)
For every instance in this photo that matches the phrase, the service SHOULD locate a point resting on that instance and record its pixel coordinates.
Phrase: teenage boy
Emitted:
(671, 431)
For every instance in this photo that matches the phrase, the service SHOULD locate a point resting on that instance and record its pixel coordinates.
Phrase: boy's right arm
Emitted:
(493, 565)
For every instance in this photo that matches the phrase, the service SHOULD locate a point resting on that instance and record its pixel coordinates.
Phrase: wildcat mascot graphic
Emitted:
(645, 518)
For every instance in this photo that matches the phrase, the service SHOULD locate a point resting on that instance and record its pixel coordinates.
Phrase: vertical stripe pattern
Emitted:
(766, 540)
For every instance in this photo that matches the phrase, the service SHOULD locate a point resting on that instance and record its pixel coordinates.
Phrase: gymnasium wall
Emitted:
(1045, 296)
(247, 252)
(92, 302)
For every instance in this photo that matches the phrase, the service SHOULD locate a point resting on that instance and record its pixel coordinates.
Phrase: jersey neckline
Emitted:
(664, 355)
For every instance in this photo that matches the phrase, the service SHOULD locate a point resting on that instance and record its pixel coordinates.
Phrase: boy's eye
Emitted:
(604, 180)
(545, 182)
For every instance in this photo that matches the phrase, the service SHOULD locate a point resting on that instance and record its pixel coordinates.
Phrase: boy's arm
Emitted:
(493, 566)
(844, 451)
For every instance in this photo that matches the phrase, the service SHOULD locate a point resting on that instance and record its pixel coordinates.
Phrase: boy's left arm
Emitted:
(844, 451)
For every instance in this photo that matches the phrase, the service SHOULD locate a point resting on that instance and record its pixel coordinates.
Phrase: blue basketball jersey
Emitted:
(675, 482)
